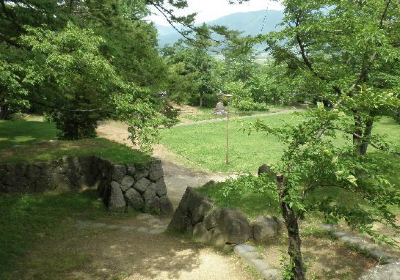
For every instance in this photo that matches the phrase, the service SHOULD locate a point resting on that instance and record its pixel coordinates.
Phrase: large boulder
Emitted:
(234, 226)
(197, 215)
(155, 170)
(127, 182)
(265, 228)
(191, 210)
(134, 199)
(118, 173)
(161, 188)
(116, 201)
(383, 272)
(166, 205)
(142, 185)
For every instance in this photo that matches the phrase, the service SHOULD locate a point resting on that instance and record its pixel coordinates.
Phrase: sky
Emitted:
(212, 9)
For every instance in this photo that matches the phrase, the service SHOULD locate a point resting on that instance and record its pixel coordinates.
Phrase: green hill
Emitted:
(250, 23)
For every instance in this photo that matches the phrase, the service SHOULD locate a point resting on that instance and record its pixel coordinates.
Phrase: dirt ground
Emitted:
(325, 259)
(117, 254)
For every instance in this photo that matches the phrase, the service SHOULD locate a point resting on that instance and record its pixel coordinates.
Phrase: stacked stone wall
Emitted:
(138, 186)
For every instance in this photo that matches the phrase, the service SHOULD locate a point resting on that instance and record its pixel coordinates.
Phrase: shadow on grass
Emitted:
(20, 132)
(24, 218)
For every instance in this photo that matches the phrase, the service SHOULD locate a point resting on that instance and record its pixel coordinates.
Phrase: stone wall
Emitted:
(122, 187)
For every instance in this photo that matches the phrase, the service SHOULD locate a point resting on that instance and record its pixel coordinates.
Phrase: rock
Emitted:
(115, 184)
(201, 234)
(182, 220)
(218, 239)
(142, 185)
(234, 226)
(153, 204)
(73, 176)
(134, 199)
(72, 163)
(26, 186)
(199, 206)
(383, 272)
(127, 182)
(118, 173)
(150, 193)
(116, 201)
(265, 228)
(10, 167)
(42, 185)
(141, 172)
(211, 220)
(10, 179)
(20, 170)
(161, 188)
(32, 172)
(166, 205)
(130, 169)
(155, 171)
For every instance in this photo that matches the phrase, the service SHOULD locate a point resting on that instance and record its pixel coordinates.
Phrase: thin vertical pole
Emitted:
(227, 136)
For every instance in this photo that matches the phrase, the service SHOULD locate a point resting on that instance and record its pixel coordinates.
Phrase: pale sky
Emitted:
(212, 9)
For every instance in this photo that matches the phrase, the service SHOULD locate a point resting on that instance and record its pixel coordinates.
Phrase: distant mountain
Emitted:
(251, 23)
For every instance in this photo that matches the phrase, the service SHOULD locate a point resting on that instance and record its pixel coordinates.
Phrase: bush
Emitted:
(249, 105)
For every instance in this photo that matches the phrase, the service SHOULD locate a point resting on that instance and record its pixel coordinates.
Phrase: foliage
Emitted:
(247, 193)
(83, 46)
(337, 48)
(312, 166)
(193, 71)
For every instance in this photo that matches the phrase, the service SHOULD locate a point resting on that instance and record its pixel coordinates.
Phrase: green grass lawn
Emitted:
(29, 141)
(205, 144)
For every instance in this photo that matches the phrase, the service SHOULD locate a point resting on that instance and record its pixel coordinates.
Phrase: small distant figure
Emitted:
(220, 109)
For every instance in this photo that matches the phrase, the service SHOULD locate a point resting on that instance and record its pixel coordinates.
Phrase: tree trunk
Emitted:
(362, 135)
(367, 135)
(292, 225)
(5, 112)
(357, 135)
(201, 101)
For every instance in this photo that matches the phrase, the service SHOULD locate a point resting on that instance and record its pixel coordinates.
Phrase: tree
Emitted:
(340, 47)
(193, 62)
(93, 51)
(348, 51)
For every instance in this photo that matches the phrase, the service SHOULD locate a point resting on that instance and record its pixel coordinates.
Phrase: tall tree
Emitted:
(349, 51)
(341, 47)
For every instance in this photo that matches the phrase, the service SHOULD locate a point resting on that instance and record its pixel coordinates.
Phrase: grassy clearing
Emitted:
(205, 144)
(22, 132)
(29, 141)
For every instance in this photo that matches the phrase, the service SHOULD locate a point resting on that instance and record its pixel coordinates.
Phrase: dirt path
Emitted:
(177, 177)
(129, 249)
(281, 112)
